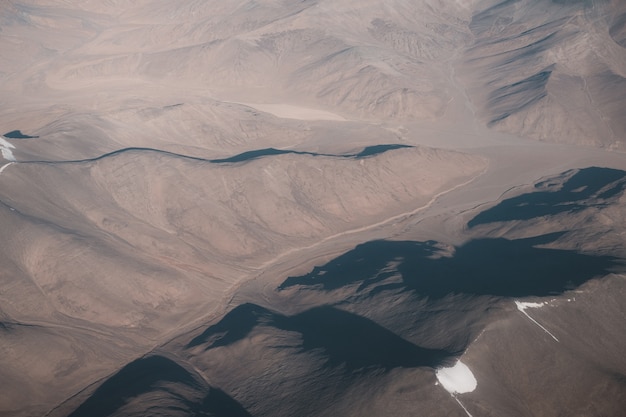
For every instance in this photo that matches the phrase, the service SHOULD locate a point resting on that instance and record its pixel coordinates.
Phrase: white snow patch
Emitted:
(457, 379)
(522, 306)
(5, 167)
(6, 144)
(5, 148)
(8, 155)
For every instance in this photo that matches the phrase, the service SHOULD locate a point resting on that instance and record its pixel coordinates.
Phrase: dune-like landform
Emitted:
(315, 208)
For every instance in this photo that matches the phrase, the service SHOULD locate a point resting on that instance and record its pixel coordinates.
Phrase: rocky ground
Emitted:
(277, 208)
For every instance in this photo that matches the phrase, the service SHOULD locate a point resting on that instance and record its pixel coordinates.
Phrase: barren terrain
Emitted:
(315, 208)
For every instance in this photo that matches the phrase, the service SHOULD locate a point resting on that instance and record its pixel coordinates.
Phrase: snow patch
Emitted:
(457, 379)
(5, 167)
(5, 148)
(522, 306)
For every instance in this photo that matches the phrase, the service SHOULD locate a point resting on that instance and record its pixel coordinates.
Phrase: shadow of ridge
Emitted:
(138, 377)
(496, 267)
(116, 153)
(367, 263)
(219, 404)
(349, 340)
(572, 196)
(513, 98)
(234, 326)
(378, 149)
(179, 393)
(17, 134)
(259, 153)
(245, 156)
(343, 338)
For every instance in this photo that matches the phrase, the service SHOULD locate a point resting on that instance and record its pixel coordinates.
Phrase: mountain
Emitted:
(277, 207)
(524, 313)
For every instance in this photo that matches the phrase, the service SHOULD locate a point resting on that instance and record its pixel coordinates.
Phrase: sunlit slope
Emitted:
(541, 69)
(364, 333)
(549, 70)
(360, 59)
(172, 171)
(140, 242)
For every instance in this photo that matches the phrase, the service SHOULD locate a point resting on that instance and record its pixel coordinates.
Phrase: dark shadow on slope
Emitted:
(586, 3)
(219, 404)
(617, 30)
(378, 149)
(242, 157)
(356, 342)
(117, 153)
(589, 183)
(234, 326)
(508, 44)
(158, 386)
(258, 153)
(500, 267)
(344, 338)
(17, 134)
(510, 99)
(488, 18)
(138, 377)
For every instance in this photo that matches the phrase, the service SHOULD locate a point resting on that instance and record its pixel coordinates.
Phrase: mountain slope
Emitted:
(524, 314)
(273, 207)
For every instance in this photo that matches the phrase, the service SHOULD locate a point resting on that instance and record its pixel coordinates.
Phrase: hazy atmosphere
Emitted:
(312, 208)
